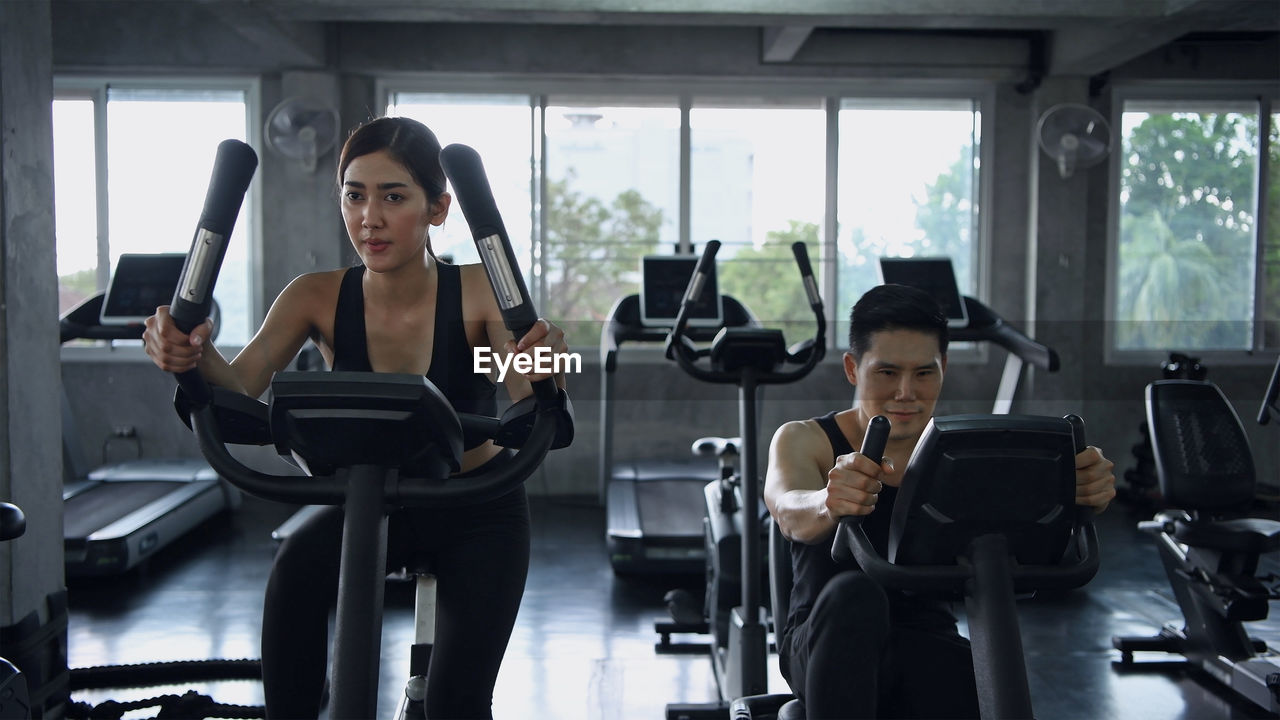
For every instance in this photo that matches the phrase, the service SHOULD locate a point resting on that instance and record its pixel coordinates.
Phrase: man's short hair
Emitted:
(895, 307)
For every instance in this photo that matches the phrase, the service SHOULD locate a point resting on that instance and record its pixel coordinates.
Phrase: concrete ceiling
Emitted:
(1082, 37)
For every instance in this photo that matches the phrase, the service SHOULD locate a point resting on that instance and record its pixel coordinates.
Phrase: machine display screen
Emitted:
(664, 281)
(933, 275)
(141, 283)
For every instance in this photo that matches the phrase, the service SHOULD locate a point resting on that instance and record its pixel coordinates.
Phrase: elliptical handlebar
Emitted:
(805, 354)
(233, 169)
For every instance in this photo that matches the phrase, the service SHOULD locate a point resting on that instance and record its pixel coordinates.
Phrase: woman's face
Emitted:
(386, 212)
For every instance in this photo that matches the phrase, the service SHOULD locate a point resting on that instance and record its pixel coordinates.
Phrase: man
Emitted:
(849, 648)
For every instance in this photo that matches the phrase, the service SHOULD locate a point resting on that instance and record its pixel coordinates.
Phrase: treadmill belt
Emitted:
(672, 508)
(99, 506)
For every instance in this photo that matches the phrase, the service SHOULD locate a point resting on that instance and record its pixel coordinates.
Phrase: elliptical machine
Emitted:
(368, 440)
(747, 357)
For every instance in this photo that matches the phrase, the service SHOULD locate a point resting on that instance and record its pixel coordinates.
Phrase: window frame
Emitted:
(95, 87)
(1267, 99)
(982, 95)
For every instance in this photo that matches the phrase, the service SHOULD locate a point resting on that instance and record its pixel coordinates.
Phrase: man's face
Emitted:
(900, 377)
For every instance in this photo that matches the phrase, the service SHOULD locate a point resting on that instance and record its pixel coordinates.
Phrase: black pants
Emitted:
(858, 655)
(480, 554)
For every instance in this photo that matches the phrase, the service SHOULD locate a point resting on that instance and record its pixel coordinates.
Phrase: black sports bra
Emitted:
(452, 366)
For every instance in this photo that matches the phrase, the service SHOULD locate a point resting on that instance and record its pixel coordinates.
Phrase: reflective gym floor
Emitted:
(583, 646)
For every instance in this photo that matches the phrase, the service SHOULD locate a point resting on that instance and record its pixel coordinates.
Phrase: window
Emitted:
(612, 196)
(1193, 272)
(758, 177)
(132, 166)
(498, 128)
(908, 187)
(588, 182)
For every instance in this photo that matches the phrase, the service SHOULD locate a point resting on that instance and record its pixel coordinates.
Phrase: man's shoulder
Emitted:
(803, 437)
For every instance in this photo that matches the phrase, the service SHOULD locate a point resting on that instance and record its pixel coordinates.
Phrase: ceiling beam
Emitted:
(782, 43)
(1092, 48)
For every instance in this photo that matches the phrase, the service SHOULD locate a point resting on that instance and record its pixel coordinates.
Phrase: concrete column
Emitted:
(1058, 246)
(302, 219)
(31, 567)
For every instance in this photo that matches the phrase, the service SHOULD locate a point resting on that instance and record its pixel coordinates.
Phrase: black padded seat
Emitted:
(1242, 535)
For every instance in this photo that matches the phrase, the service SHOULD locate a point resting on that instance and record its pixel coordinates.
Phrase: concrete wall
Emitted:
(30, 462)
(1048, 235)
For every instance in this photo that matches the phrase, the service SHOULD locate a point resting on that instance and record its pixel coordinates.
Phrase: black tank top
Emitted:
(452, 365)
(811, 565)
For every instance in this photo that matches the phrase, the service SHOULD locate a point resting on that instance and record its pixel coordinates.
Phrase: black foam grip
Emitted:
(1077, 432)
(233, 169)
(707, 260)
(802, 259)
(876, 438)
(465, 170)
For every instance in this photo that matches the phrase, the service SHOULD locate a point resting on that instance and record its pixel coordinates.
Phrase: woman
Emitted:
(402, 311)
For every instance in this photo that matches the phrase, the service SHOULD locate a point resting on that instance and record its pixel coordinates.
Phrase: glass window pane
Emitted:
(908, 187)
(157, 183)
(1188, 193)
(1271, 251)
(75, 201)
(499, 128)
(612, 196)
(757, 179)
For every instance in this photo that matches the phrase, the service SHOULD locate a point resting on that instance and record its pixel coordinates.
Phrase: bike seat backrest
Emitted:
(1202, 455)
(974, 475)
(330, 420)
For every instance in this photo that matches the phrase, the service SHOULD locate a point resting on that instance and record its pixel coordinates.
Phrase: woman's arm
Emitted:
(287, 326)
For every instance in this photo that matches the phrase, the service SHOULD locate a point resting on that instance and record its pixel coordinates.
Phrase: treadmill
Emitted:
(655, 507)
(118, 515)
(970, 320)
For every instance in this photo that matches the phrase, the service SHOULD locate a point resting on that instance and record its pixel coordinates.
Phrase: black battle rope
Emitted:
(189, 706)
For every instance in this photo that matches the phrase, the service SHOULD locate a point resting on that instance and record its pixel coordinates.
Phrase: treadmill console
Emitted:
(665, 278)
(935, 276)
(140, 284)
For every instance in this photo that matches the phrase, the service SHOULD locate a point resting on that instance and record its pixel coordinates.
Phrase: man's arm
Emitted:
(807, 500)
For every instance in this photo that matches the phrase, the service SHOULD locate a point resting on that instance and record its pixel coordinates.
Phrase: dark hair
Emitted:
(411, 143)
(895, 307)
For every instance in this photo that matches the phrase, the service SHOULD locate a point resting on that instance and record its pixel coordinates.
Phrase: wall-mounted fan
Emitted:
(1075, 136)
(302, 129)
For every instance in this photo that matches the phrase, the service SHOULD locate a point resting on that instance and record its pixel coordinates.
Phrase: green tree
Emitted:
(1164, 279)
(945, 217)
(592, 253)
(767, 281)
(1197, 174)
(75, 287)
(1271, 250)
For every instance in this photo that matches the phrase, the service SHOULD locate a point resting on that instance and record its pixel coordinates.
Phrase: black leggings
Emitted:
(859, 656)
(480, 555)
